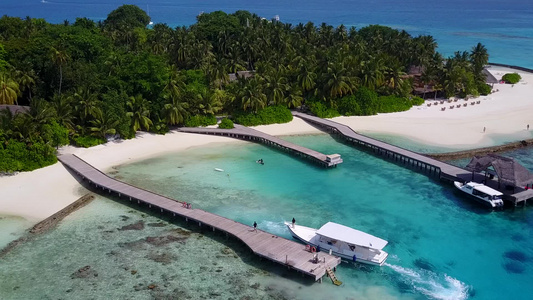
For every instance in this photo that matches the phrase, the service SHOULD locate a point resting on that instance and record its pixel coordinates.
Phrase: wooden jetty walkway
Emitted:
(277, 249)
(245, 133)
(421, 162)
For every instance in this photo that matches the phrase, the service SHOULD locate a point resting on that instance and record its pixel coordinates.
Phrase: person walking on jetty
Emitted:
(484, 128)
(255, 226)
(527, 126)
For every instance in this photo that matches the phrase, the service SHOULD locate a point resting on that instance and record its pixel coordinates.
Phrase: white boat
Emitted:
(481, 193)
(219, 170)
(343, 241)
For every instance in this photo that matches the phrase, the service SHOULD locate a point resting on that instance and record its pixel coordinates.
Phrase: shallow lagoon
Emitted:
(441, 245)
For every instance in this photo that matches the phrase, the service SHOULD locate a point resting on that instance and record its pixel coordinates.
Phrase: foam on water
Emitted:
(431, 284)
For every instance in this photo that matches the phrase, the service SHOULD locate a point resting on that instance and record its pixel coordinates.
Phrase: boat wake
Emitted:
(431, 284)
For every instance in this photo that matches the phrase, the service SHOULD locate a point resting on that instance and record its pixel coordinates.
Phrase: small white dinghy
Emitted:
(219, 170)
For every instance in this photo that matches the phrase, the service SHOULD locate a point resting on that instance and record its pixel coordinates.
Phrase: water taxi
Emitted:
(481, 193)
(342, 241)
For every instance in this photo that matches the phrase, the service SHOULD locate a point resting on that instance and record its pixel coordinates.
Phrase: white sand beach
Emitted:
(506, 112)
(38, 194)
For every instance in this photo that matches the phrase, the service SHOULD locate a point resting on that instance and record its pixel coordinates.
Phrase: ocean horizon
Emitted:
(504, 27)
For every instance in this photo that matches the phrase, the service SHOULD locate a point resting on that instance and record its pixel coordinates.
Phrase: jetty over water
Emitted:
(277, 249)
(245, 133)
(420, 162)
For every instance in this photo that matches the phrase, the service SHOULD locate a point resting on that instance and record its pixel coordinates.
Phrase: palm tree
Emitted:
(294, 97)
(175, 110)
(175, 84)
(479, 58)
(86, 103)
(336, 83)
(252, 95)
(103, 124)
(306, 77)
(276, 87)
(26, 81)
(59, 58)
(139, 113)
(63, 109)
(9, 90)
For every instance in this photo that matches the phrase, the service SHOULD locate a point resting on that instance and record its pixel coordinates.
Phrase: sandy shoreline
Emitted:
(41, 193)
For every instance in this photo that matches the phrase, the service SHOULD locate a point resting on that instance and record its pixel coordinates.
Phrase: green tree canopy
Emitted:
(125, 18)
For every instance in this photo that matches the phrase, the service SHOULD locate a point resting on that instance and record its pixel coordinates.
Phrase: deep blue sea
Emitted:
(505, 27)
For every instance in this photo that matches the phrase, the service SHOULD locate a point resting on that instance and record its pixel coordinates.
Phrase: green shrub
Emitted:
(268, 115)
(320, 110)
(88, 141)
(367, 100)
(18, 156)
(197, 121)
(511, 78)
(484, 89)
(226, 124)
(417, 101)
(348, 106)
(389, 104)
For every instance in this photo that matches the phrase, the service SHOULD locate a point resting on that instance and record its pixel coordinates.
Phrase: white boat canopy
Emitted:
(351, 236)
(485, 189)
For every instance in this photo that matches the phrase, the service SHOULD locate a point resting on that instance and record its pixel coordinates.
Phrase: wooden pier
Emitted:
(277, 249)
(245, 133)
(419, 162)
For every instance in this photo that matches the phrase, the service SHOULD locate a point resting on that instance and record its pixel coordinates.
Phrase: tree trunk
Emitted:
(60, 78)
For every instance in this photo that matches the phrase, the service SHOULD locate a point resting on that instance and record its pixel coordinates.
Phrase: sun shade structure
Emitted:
(508, 170)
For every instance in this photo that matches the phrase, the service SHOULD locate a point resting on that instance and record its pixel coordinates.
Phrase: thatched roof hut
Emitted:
(15, 109)
(490, 79)
(245, 74)
(509, 171)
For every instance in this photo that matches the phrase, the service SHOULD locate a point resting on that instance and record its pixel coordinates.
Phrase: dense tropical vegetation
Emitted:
(88, 80)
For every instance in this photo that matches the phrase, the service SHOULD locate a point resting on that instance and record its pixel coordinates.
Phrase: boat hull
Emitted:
(324, 248)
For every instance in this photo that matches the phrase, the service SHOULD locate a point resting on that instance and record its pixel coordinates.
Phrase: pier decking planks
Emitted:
(264, 244)
(245, 133)
(446, 171)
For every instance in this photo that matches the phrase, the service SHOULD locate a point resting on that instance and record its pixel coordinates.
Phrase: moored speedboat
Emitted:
(342, 241)
(481, 193)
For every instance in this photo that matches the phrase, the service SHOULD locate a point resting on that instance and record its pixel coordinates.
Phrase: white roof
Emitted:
(485, 189)
(351, 236)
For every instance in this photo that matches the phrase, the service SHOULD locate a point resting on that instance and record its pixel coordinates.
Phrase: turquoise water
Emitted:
(441, 245)
(505, 27)
(12, 228)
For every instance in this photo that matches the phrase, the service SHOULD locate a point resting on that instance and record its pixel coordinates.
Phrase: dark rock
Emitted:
(135, 226)
(255, 286)
(513, 267)
(163, 240)
(85, 272)
(163, 258)
(160, 224)
(424, 264)
(516, 255)
(135, 245)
